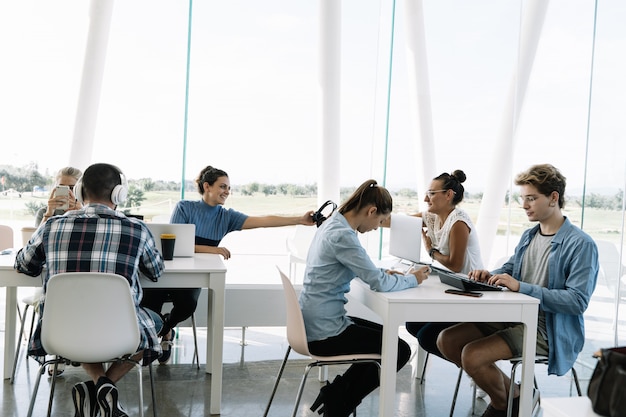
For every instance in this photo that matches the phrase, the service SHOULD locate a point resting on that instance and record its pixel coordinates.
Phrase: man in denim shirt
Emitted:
(555, 262)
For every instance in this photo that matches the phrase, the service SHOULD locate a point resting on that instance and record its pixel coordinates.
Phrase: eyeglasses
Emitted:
(527, 199)
(431, 193)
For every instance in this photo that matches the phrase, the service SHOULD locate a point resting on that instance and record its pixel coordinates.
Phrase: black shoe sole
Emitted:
(113, 409)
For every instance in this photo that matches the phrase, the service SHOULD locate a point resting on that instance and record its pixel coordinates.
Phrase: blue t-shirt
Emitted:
(212, 222)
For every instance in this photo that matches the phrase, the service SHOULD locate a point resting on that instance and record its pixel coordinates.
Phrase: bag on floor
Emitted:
(608, 381)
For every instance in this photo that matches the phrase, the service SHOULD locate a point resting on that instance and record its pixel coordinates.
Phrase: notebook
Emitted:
(185, 237)
(405, 241)
(462, 282)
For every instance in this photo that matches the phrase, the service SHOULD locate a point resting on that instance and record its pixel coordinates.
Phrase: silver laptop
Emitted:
(185, 237)
(405, 241)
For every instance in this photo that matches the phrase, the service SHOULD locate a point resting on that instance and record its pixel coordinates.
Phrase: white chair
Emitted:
(296, 336)
(298, 246)
(6, 237)
(515, 362)
(611, 267)
(29, 301)
(89, 318)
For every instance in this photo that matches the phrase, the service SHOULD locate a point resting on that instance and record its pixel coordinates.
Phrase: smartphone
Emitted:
(467, 293)
(63, 191)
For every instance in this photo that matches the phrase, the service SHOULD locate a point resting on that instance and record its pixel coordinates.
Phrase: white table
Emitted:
(429, 303)
(567, 407)
(200, 271)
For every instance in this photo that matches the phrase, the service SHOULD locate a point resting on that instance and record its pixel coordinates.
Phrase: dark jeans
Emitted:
(361, 337)
(427, 333)
(184, 303)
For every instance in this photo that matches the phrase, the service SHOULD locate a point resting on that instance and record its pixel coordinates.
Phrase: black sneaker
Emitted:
(84, 397)
(166, 347)
(108, 399)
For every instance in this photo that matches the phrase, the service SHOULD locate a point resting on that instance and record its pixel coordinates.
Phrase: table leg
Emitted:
(529, 319)
(10, 318)
(388, 368)
(215, 346)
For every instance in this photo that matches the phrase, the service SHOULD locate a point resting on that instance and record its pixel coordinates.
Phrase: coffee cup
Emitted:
(168, 240)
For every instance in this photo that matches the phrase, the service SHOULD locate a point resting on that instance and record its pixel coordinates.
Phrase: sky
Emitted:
(253, 102)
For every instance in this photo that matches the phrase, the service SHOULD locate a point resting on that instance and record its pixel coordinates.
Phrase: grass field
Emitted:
(599, 223)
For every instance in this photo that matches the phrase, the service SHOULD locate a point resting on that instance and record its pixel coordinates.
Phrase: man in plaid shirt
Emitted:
(97, 238)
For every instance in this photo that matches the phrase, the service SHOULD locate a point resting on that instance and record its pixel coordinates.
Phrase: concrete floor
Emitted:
(249, 374)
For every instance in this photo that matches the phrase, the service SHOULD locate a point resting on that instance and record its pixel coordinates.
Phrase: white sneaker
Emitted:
(480, 393)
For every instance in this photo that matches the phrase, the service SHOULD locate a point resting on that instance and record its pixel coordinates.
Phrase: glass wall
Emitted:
(236, 85)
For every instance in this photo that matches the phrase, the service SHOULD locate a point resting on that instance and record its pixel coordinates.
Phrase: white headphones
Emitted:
(118, 194)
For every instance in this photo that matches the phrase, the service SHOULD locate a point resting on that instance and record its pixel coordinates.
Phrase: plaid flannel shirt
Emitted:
(95, 239)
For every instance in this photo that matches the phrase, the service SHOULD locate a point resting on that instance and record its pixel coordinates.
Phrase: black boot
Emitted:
(335, 400)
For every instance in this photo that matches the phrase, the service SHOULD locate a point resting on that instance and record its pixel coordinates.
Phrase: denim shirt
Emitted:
(573, 272)
(335, 258)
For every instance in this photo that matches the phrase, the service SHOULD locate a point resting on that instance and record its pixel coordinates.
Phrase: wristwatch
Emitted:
(432, 251)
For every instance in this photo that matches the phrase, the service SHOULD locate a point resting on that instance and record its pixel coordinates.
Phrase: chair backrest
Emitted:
(296, 334)
(89, 317)
(6, 237)
(611, 267)
(27, 232)
(298, 243)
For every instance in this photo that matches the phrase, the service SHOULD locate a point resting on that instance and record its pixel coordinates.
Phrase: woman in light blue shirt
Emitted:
(335, 258)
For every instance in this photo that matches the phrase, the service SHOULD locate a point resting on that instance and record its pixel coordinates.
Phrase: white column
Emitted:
(419, 93)
(330, 100)
(499, 168)
(91, 83)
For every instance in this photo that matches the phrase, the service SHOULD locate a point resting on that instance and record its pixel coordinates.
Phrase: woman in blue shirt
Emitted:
(335, 258)
(213, 222)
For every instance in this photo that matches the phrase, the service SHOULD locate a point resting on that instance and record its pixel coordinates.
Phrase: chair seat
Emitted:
(33, 298)
(362, 356)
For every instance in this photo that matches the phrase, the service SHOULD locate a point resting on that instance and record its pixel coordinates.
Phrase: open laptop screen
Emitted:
(185, 237)
(405, 237)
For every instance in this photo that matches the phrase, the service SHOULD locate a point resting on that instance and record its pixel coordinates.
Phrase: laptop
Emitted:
(405, 241)
(463, 282)
(185, 237)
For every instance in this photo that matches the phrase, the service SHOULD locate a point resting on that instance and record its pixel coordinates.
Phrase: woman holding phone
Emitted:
(62, 196)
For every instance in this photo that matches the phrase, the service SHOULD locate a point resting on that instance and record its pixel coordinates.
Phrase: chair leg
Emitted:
(576, 382)
(140, 388)
(456, 391)
(19, 341)
(196, 358)
(424, 368)
(154, 406)
(33, 396)
(509, 407)
(301, 388)
(280, 374)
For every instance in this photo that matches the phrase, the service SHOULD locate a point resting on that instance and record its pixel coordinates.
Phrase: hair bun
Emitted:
(459, 175)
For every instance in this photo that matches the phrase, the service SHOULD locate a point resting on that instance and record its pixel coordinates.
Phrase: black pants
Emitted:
(361, 337)
(184, 302)
(427, 333)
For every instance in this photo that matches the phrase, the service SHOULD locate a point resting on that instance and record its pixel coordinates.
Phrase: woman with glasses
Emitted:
(450, 239)
(334, 259)
(68, 177)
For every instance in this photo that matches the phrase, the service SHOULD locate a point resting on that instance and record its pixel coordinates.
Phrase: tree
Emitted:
(135, 197)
